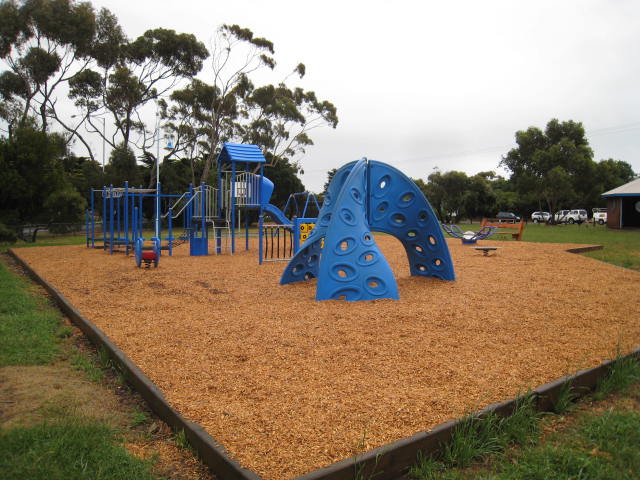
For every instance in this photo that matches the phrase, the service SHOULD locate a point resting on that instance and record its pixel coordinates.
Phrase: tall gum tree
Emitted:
(277, 117)
(43, 44)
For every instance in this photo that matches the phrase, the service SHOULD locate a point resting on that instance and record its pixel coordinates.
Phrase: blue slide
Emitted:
(276, 214)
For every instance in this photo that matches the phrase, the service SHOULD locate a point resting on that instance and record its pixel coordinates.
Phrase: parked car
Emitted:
(571, 216)
(537, 217)
(507, 216)
(600, 216)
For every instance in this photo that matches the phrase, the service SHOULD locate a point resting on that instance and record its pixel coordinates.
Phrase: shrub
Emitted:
(7, 235)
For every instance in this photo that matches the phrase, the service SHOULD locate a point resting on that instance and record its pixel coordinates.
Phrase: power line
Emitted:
(503, 148)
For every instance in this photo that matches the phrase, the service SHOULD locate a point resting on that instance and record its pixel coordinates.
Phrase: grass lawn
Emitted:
(28, 326)
(54, 424)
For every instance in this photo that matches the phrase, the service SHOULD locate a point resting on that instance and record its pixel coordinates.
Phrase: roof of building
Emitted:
(241, 152)
(631, 189)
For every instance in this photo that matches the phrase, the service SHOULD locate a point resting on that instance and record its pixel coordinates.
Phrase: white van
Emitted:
(600, 216)
(571, 216)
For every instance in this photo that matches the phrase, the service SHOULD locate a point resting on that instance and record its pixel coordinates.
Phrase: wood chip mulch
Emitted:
(289, 385)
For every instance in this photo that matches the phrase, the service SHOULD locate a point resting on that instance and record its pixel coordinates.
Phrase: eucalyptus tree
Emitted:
(43, 44)
(231, 108)
(131, 75)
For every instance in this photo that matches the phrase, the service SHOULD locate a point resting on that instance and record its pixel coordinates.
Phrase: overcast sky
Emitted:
(424, 84)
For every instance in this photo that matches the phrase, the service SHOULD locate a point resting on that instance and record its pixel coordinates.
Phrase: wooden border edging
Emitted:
(388, 462)
(209, 451)
(590, 248)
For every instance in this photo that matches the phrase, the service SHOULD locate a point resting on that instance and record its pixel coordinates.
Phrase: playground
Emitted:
(289, 384)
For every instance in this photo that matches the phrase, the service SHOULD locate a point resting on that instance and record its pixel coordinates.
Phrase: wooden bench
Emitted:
(515, 229)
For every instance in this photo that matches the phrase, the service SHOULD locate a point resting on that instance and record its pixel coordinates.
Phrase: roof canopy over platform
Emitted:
(241, 152)
(631, 189)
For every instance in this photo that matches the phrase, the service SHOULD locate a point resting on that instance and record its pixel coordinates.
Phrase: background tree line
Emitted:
(548, 170)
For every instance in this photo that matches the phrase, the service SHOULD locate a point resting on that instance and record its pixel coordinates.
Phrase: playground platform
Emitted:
(289, 385)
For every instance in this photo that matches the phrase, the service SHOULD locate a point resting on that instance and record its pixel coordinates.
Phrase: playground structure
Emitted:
(219, 211)
(341, 252)
(469, 237)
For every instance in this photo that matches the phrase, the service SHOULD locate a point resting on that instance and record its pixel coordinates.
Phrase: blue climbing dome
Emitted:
(363, 197)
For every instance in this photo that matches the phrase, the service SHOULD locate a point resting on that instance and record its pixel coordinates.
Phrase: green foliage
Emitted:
(285, 180)
(65, 206)
(454, 195)
(67, 449)
(7, 235)
(473, 437)
(478, 436)
(31, 172)
(122, 167)
(67, 29)
(565, 400)
(555, 169)
(275, 116)
(623, 372)
(27, 325)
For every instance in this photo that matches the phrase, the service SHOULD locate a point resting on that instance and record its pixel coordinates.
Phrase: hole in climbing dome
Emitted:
(345, 246)
(385, 182)
(407, 199)
(375, 286)
(356, 195)
(367, 258)
(437, 262)
(343, 272)
(421, 267)
(380, 211)
(347, 216)
(432, 240)
(418, 248)
(398, 219)
(309, 276)
(324, 221)
(422, 216)
(367, 239)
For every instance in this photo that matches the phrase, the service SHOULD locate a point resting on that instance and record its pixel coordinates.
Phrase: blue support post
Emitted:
(140, 215)
(111, 219)
(260, 236)
(93, 220)
(104, 218)
(126, 216)
(233, 207)
(118, 216)
(170, 231)
(248, 188)
(134, 223)
(296, 234)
